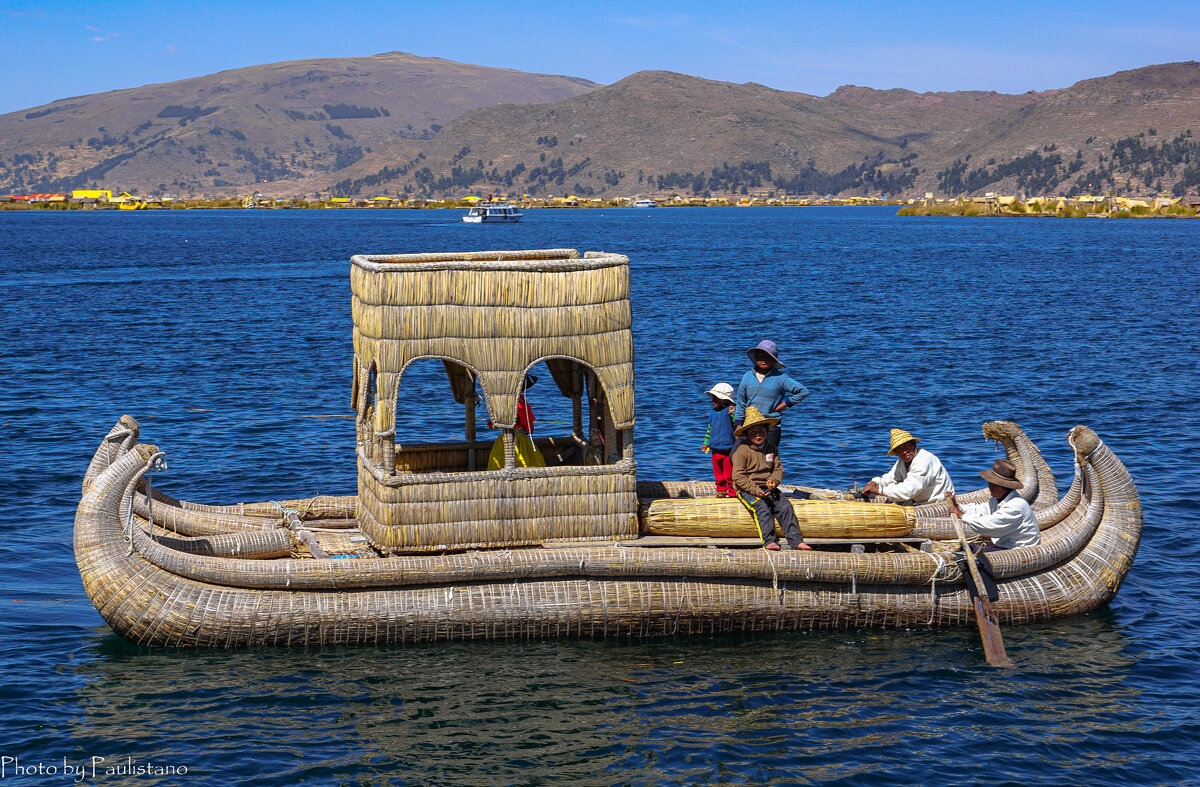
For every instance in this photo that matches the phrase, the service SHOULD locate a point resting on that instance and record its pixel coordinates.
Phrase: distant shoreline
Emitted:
(1062, 209)
(1116, 208)
(315, 205)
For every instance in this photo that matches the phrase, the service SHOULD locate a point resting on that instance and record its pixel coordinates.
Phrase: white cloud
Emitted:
(100, 36)
(656, 22)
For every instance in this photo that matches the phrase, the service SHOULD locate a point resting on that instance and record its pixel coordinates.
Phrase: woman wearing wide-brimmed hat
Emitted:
(1005, 518)
(767, 388)
(917, 477)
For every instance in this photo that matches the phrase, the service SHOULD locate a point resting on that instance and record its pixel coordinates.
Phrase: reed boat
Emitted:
(438, 544)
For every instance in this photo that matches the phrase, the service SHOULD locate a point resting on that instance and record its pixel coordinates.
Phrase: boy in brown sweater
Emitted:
(757, 473)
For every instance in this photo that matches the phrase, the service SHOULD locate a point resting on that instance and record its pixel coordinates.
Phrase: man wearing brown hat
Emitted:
(1005, 518)
(917, 477)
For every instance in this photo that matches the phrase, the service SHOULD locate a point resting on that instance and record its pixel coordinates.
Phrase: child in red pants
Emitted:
(719, 439)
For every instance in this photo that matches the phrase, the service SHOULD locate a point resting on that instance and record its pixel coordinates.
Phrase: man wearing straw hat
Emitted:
(757, 473)
(917, 477)
(767, 388)
(1005, 518)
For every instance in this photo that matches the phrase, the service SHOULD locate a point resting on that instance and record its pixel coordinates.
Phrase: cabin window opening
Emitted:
(439, 421)
(550, 424)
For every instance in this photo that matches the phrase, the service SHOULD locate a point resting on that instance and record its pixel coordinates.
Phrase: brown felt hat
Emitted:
(1003, 473)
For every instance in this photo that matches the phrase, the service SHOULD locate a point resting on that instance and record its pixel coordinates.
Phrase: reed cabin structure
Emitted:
(489, 317)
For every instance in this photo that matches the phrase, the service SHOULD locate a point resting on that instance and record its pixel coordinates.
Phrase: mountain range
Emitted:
(400, 124)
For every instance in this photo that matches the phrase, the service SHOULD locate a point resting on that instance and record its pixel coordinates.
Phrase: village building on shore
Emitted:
(989, 204)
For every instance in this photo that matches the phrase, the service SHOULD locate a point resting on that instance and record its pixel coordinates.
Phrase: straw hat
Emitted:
(721, 391)
(753, 417)
(769, 347)
(1003, 473)
(899, 438)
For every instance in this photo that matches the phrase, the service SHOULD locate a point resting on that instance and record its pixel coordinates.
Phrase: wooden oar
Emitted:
(989, 629)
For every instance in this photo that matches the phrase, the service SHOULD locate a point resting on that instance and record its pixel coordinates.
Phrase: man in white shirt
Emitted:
(1005, 518)
(917, 477)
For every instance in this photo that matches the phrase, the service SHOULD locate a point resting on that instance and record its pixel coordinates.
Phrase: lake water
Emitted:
(227, 335)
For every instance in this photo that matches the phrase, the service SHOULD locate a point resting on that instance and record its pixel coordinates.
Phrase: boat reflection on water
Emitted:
(640, 711)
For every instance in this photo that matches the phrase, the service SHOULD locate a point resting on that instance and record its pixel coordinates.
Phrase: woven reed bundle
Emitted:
(119, 441)
(320, 507)
(496, 314)
(526, 565)
(609, 562)
(911, 568)
(1038, 487)
(191, 522)
(609, 593)
(123, 436)
(261, 545)
(729, 518)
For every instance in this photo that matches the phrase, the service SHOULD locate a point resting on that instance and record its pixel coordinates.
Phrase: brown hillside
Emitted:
(275, 122)
(365, 127)
(620, 139)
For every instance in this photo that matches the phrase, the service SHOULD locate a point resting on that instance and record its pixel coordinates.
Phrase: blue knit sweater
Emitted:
(776, 387)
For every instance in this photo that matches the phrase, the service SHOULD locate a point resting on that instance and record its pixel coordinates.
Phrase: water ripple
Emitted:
(227, 335)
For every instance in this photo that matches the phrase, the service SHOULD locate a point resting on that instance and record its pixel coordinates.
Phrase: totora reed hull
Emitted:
(167, 573)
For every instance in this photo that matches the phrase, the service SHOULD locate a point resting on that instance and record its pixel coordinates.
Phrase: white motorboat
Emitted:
(493, 213)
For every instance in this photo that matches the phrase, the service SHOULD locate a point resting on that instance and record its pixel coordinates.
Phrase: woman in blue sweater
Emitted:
(767, 388)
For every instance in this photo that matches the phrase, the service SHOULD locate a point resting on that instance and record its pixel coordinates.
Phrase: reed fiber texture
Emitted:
(507, 507)
(153, 593)
(495, 314)
(728, 518)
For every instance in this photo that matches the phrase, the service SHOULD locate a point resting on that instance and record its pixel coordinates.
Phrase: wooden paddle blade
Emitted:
(989, 634)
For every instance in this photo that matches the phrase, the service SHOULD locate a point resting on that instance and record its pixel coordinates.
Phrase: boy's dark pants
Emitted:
(766, 510)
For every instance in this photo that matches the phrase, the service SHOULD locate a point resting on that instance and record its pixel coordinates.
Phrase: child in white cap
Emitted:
(719, 438)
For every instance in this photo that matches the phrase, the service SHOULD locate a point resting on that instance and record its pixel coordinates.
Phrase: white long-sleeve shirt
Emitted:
(1009, 522)
(923, 481)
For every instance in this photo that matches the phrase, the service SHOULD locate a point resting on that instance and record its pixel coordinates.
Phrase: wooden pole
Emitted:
(470, 406)
(989, 629)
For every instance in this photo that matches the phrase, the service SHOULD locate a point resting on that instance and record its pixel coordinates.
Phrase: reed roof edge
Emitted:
(519, 260)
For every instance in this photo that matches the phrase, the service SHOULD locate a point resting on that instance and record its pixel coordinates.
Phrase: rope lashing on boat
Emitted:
(283, 512)
(942, 571)
(155, 462)
(679, 606)
(774, 571)
(150, 501)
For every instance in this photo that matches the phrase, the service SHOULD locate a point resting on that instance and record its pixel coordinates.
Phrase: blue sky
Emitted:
(60, 49)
